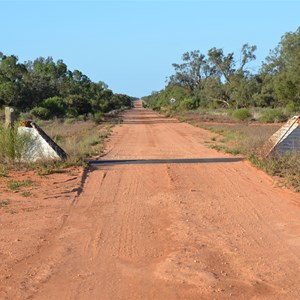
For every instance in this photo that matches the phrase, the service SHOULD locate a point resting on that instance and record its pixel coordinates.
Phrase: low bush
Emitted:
(241, 114)
(12, 144)
(69, 120)
(292, 108)
(41, 112)
(187, 104)
(271, 115)
(25, 116)
(55, 106)
(98, 117)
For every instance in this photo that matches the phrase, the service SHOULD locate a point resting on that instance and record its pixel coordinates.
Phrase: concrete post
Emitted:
(10, 117)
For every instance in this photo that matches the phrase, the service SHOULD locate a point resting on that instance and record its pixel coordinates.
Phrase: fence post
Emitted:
(10, 117)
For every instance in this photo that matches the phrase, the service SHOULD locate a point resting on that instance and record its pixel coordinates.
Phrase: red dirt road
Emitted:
(168, 231)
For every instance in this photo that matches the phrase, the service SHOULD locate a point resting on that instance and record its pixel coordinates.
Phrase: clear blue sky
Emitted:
(131, 45)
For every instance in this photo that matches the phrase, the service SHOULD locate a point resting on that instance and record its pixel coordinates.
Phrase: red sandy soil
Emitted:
(164, 231)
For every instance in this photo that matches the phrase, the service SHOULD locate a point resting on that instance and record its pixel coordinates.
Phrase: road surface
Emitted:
(214, 228)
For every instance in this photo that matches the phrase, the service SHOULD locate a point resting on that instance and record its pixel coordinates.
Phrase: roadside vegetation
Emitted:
(224, 81)
(72, 109)
(247, 140)
(12, 145)
(219, 92)
(80, 140)
(46, 89)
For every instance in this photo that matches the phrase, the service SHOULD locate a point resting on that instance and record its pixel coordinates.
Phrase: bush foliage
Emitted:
(48, 89)
(12, 144)
(241, 114)
(272, 116)
(223, 80)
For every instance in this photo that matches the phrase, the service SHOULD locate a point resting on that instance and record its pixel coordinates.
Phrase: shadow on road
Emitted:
(162, 161)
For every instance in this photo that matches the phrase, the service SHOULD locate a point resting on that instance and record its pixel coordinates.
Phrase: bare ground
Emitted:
(165, 231)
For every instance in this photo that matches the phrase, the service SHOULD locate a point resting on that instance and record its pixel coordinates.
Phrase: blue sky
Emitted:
(131, 45)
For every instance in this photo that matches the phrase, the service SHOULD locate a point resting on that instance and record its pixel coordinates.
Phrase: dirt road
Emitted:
(210, 230)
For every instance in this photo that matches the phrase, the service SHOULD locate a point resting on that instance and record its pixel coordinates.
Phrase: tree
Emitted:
(193, 72)
(235, 90)
(48, 89)
(56, 106)
(12, 91)
(283, 66)
(78, 105)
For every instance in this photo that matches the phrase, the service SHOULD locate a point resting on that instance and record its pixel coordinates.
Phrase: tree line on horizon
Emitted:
(218, 79)
(48, 89)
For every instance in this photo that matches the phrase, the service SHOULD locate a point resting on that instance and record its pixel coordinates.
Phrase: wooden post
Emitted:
(10, 117)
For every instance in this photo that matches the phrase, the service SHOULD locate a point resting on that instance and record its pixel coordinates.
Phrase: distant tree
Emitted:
(193, 72)
(12, 91)
(44, 79)
(236, 89)
(56, 106)
(78, 105)
(215, 79)
(41, 112)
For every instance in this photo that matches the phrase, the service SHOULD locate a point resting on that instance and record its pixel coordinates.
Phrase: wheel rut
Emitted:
(197, 224)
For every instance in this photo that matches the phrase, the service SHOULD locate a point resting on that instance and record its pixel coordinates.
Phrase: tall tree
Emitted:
(235, 90)
(193, 72)
(283, 66)
(12, 91)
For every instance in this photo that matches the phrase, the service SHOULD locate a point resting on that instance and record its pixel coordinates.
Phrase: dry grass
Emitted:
(12, 144)
(240, 138)
(286, 168)
(247, 140)
(220, 116)
(80, 139)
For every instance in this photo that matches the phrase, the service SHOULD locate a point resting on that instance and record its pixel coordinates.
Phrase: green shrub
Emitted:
(70, 121)
(72, 113)
(292, 108)
(41, 112)
(156, 108)
(187, 104)
(241, 114)
(271, 115)
(55, 106)
(98, 117)
(78, 103)
(25, 116)
(12, 144)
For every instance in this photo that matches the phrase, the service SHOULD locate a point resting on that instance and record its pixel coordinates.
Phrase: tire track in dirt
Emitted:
(177, 231)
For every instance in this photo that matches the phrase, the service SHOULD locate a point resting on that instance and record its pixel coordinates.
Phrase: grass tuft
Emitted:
(286, 167)
(12, 144)
(4, 203)
(26, 194)
(16, 184)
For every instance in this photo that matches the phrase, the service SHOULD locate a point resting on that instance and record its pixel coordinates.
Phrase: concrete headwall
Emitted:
(286, 139)
(41, 146)
(291, 143)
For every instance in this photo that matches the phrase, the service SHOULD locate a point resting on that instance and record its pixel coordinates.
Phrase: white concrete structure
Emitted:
(41, 146)
(286, 139)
